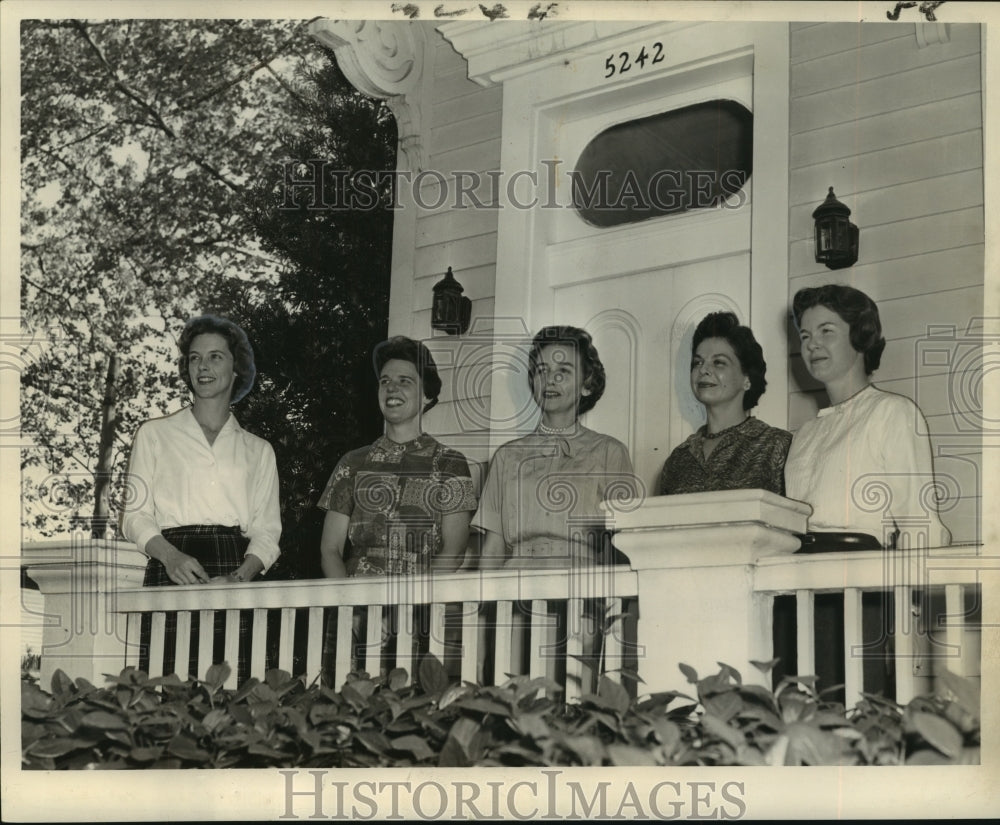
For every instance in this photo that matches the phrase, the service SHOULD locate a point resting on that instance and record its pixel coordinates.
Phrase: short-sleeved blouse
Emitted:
(543, 495)
(396, 495)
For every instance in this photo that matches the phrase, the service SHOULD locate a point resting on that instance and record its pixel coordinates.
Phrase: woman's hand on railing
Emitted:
(181, 568)
(245, 572)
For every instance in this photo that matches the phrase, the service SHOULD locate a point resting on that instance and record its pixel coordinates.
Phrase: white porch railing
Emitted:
(705, 569)
(934, 622)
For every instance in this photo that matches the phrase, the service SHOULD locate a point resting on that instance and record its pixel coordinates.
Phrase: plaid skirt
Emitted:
(220, 551)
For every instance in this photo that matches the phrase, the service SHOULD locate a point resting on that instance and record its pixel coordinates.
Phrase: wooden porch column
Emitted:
(79, 579)
(696, 555)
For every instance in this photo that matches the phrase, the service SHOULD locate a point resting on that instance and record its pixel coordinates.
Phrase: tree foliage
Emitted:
(148, 148)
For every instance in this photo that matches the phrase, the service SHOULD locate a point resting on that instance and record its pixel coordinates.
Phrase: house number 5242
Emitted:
(623, 62)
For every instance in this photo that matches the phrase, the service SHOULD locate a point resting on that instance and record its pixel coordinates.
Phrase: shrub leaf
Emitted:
(217, 674)
(433, 676)
(102, 720)
(614, 695)
(939, 732)
(627, 755)
(416, 745)
(689, 672)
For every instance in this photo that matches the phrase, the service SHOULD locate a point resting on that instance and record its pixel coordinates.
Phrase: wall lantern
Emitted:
(836, 236)
(451, 311)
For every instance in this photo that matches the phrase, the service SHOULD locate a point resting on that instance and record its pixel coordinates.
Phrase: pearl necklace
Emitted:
(544, 430)
(723, 432)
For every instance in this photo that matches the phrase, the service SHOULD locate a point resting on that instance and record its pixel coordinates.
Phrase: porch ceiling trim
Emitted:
(496, 53)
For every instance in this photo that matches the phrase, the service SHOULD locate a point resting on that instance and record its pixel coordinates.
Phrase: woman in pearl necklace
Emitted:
(541, 503)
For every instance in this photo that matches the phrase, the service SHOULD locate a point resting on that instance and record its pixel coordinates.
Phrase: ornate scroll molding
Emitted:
(383, 59)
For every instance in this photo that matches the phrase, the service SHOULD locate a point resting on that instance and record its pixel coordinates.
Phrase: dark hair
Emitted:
(855, 308)
(239, 348)
(727, 326)
(581, 342)
(401, 348)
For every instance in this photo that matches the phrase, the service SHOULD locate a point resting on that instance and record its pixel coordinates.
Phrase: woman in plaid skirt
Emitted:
(203, 492)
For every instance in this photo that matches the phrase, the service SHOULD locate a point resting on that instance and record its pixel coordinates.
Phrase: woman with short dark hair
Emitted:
(864, 463)
(398, 507)
(732, 450)
(404, 502)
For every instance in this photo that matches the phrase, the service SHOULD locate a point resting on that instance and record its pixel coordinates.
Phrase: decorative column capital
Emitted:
(383, 59)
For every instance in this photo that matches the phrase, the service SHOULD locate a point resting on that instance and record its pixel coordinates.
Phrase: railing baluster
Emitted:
(538, 639)
(286, 640)
(903, 638)
(455, 627)
(232, 646)
(258, 644)
(805, 640)
(405, 619)
(314, 645)
(435, 644)
(182, 645)
(613, 660)
(133, 636)
(470, 641)
(956, 639)
(206, 641)
(574, 647)
(345, 641)
(373, 642)
(156, 643)
(502, 636)
(853, 655)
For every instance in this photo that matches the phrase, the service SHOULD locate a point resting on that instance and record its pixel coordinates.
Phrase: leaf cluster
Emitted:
(137, 722)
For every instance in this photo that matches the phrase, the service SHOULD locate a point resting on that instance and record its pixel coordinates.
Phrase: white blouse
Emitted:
(865, 466)
(177, 479)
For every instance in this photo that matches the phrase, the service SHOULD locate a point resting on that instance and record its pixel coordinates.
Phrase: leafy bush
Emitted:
(137, 722)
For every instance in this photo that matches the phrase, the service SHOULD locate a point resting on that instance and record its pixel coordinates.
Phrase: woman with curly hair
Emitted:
(523, 509)
(864, 464)
(203, 500)
(732, 450)
(866, 436)
(541, 503)
(399, 507)
(402, 504)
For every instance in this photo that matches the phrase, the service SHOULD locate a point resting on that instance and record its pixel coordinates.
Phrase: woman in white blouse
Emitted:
(864, 463)
(203, 492)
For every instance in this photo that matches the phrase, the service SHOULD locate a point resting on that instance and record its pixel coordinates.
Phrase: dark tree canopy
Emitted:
(315, 331)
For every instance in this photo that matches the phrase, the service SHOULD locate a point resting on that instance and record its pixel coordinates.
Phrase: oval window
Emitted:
(689, 158)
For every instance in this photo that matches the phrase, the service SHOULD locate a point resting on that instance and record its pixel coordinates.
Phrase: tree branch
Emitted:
(134, 96)
(157, 119)
(249, 71)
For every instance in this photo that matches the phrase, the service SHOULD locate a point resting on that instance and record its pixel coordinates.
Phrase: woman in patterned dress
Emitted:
(400, 506)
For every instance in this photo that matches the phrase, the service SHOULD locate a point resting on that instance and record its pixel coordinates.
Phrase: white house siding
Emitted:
(896, 129)
(462, 134)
